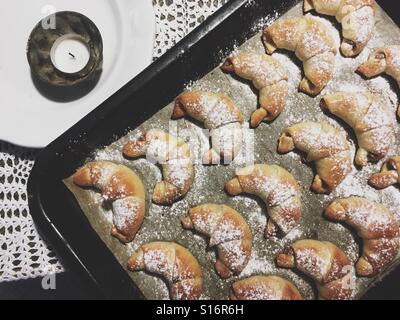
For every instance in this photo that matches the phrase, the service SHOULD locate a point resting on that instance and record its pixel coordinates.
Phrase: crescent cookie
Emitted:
(326, 146)
(178, 267)
(220, 115)
(312, 43)
(174, 155)
(123, 188)
(357, 18)
(228, 232)
(277, 188)
(268, 76)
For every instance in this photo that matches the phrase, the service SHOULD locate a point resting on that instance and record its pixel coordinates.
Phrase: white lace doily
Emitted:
(23, 254)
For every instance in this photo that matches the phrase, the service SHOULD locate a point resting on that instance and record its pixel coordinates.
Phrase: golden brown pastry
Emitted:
(123, 189)
(228, 231)
(277, 188)
(325, 145)
(376, 225)
(312, 43)
(268, 76)
(325, 263)
(174, 155)
(175, 264)
(372, 121)
(389, 175)
(356, 16)
(264, 288)
(383, 60)
(220, 115)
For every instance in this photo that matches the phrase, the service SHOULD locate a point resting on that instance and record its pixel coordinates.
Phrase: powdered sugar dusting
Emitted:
(391, 198)
(227, 230)
(362, 21)
(161, 262)
(317, 137)
(235, 255)
(395, 61)
(356, 184)
(217, 111)
(292, 69)
(317, 39)
(315, 265)
(126, 212)
(265, 21)
(259, 68)
(329, 27)
(179, 174)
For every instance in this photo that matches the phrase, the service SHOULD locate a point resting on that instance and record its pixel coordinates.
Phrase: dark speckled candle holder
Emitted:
(42, 40)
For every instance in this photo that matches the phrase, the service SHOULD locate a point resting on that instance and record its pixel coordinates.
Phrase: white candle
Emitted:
(70, 54)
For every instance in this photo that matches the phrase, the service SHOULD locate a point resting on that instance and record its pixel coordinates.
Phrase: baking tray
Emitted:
(163, 222)
(54, 208)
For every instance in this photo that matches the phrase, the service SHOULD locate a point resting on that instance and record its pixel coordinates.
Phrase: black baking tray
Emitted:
(55, 210)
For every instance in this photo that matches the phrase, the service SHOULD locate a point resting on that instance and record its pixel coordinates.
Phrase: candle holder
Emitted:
(43, 42)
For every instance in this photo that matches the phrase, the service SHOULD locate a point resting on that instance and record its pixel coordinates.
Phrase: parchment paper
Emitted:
(163, 223)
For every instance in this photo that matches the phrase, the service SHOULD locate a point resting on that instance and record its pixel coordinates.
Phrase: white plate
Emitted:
(29, 119)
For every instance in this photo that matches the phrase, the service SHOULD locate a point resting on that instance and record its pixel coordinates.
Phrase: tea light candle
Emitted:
(70, 53)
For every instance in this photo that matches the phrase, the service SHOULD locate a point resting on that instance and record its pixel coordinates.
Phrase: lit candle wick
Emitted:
(71, 55)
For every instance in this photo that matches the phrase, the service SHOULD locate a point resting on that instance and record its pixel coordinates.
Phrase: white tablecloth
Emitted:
(23, 254)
